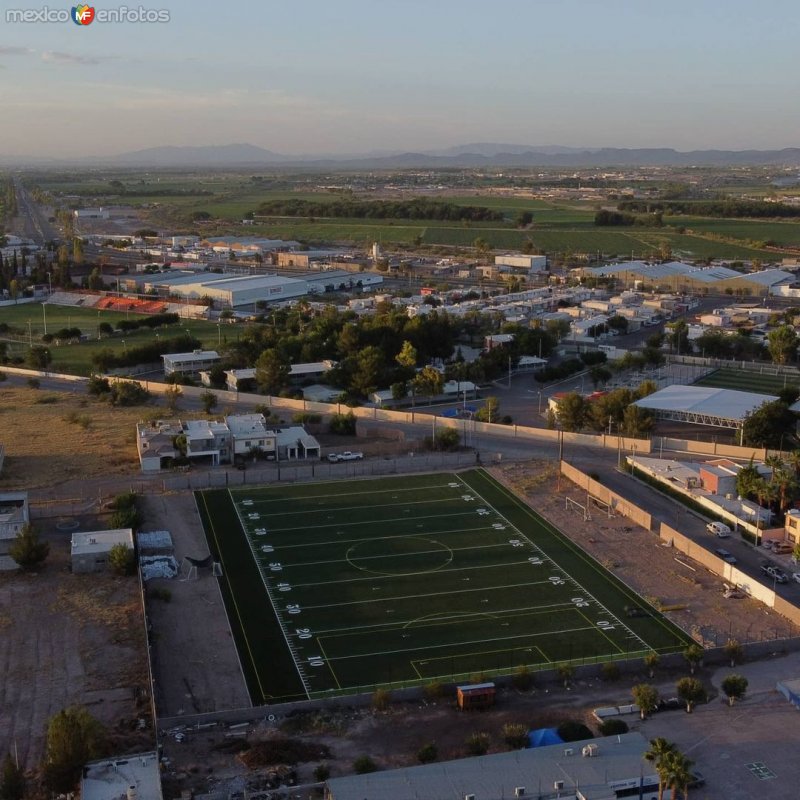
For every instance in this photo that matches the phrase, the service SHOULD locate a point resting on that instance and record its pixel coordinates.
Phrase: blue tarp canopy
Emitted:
(542, 737)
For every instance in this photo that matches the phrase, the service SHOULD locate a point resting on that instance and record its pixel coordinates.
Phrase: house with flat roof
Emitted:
(249, 432)
(189, 363)
(155, 443)
(294, 443)
(136, 777)
(89, 551)
(14, 514)
(207, 438)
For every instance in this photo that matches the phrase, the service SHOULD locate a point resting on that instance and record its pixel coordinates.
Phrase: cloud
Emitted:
(57, 57)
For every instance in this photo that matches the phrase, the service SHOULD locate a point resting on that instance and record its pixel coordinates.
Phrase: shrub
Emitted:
(343, 424)
(610, 671)
(3, 377)
(121, 559)
(613, 727)
(306, 417)
(27, 550)
(571, 731)
(515, 735)
(478, 744)
(381, 699)
(322, 772)
(364, 764)
(164, 595)
(427, 753)
(125, 518)
(445, 440)
(432, 691)
(34, 383)
(522, 679)
(128, 393)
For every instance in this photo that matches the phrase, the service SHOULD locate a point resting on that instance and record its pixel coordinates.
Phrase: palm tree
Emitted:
(793, 458)
(678, 769)
(660, 750)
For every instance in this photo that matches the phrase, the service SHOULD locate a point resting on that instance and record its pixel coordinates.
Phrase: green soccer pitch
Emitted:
(335, 588)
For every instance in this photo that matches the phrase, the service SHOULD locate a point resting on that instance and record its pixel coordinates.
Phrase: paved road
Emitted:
(31, 220)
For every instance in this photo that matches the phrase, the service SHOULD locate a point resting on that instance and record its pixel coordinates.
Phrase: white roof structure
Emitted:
(609, 764)
(111, 779)
(100, 541)
(704, 405)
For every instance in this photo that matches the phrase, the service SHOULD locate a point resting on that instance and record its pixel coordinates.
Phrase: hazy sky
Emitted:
(344, 76)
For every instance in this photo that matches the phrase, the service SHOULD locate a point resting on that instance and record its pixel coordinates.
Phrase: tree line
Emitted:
(417, 208)
(711, 208)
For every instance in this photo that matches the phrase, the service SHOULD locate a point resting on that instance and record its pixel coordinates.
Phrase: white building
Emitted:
(249, 432)
(189, 363)
(90, 550)
(208, 438)
(14, 513)
(137, 777)
(529, 263)
(91, 213)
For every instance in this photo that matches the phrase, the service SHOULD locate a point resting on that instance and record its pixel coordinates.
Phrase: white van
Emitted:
(719, 529)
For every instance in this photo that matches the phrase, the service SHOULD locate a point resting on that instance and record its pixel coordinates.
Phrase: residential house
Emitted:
(249, 433)
(208, 438)
(155, 443)
(14, 514)
(189, 363)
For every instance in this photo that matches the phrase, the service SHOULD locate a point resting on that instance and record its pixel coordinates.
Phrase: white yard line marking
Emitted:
(339, 494)
(292, 650)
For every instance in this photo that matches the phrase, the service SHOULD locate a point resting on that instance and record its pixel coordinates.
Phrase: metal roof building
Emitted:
(593, 769)
(704, 405)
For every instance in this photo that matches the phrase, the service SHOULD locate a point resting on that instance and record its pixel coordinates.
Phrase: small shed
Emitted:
(90, 550)
(475, 695)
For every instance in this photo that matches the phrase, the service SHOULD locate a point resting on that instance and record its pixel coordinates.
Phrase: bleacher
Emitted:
(73, 299)
(131, 304)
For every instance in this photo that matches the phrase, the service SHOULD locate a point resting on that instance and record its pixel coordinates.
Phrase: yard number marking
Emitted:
(293, 608)
(303, 633)
(580, 602)
(556, 580)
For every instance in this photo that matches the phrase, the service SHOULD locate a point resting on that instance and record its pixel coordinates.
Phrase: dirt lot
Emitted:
(70, 639)
(393, 737)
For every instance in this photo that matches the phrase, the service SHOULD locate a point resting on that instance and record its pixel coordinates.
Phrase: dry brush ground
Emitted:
(51, 437)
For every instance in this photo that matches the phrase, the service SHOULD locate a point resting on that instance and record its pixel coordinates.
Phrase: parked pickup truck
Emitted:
(346, 456)
(779, 576)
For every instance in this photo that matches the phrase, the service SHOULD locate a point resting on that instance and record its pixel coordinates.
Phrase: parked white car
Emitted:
(719, 529)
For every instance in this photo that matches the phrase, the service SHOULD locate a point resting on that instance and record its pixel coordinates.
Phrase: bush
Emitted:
(522, 679)
(128, 393)
(98, 385)
(593, 357)
(446, 440)
(3, 377)
(33, 383)
(306, 417)
(121, 559)
(427, 753)
(343, 424)
(364, 764)
(27, 550)
(571, 731)
(610, 671)
(515, 735)
(478, 744)
(381, 699)
(164, 595)
(322, 772)
(432, 691)
(613, 727)
(125, 518)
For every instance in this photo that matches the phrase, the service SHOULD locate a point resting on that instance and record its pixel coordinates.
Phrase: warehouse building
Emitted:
(675, 276)
(593, 769)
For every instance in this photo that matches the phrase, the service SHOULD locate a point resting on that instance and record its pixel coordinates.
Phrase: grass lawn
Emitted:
(77, 358)
(337, 588)
(744, 380)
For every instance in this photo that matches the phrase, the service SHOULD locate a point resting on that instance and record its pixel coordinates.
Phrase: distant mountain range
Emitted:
(481, 154)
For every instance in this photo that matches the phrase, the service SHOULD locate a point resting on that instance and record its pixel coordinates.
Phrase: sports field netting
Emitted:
(338, 587)
(748, 380)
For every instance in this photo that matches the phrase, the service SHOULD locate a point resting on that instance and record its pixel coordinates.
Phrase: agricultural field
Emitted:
(764, 381)
(27, 321)
(334, 589)
(785, 234)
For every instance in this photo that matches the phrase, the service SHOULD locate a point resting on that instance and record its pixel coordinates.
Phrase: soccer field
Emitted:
(338, 587)
(747, 380)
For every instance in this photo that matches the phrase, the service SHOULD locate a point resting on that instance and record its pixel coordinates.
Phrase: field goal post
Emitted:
(574, 505)
(603, 506)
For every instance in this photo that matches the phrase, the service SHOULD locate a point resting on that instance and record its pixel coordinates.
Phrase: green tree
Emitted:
(646, 697)
(427, 753)
(38, 357)
(364, 764)
(27, 550)
(428, 381)
(367, 372)
(571, 411)
(490, 411)
(209, 401)
(121, 559)
(272, 372)
(565, 673)
(77, 250)
(677, 769)
(636, 421)
(447, 439)
(782, 344)
(768, 425)
(691, 691)
(651, 661)
(12, 780)
(523, 219)
(74, 737)
(679, 336)
(515, 735)
(734, 687)
(172, 396)
(407, 357)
